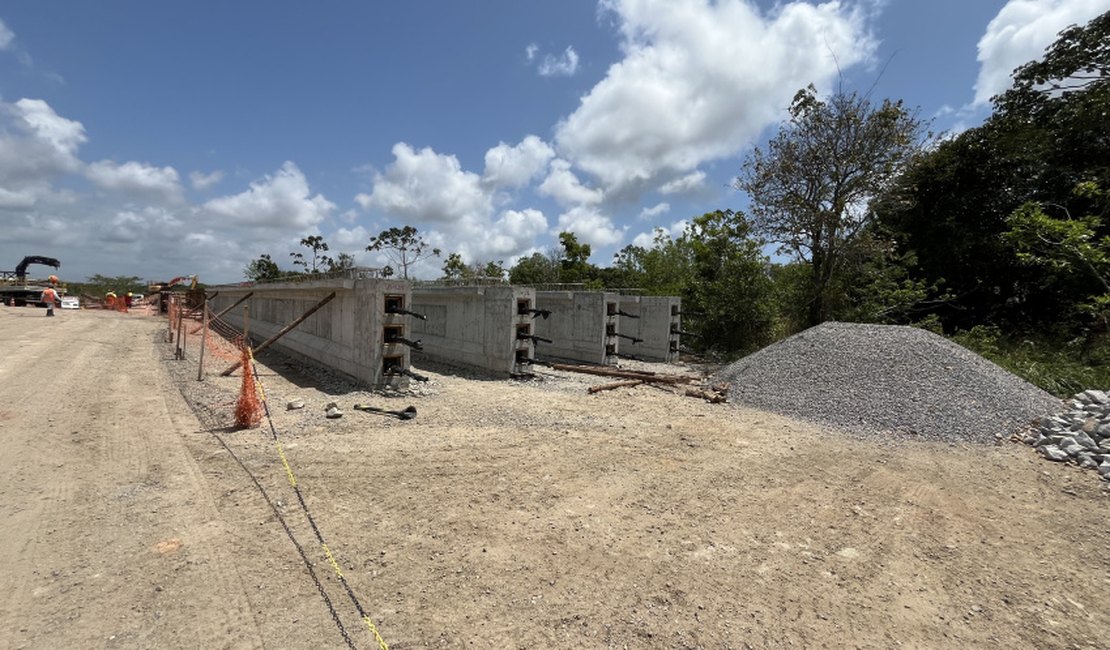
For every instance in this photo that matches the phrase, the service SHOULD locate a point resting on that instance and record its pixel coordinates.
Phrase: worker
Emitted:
(128, 299)
(110, 299)
(49, 296)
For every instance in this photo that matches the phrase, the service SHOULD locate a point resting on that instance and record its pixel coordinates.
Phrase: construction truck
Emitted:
(19, 290)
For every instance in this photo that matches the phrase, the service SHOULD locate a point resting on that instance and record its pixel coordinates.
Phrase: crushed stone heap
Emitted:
(1080, 434)
(887, 379)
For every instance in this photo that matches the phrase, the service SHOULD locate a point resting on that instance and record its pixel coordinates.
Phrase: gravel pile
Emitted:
(889, 380)
(1080, 434)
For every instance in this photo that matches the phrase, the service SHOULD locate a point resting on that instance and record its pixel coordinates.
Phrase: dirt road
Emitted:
(506, 515)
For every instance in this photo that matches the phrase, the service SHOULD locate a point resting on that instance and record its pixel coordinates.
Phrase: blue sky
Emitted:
(162, 139)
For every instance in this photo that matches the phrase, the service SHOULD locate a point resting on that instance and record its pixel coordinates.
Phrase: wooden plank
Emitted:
(616, 384)
(626, 374)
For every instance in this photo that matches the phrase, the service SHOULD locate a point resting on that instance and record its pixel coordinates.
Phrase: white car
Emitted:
(70, 302)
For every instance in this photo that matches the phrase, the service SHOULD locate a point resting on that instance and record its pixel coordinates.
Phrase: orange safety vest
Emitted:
(49, 296)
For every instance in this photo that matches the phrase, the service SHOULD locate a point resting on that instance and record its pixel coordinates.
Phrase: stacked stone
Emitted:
(1081, 434)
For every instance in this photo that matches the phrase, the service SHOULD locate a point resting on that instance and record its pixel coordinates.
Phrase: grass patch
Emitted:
(1062, 368)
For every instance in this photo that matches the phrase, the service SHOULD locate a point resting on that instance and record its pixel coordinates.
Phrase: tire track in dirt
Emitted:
(121, 543)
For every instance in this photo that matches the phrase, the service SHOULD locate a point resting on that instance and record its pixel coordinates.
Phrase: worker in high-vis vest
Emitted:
(49, 296)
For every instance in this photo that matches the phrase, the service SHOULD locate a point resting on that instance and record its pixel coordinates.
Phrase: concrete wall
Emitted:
(582, 326)
(658, 320)
(476, 326)
(347, 335)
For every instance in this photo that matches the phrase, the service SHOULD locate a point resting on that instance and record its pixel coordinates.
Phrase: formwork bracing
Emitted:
(364, 332)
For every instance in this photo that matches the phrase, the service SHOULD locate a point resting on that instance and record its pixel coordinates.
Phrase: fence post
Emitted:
(180, 354)
(203, 340)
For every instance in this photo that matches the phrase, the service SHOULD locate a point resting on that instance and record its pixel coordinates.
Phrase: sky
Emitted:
(165, 139)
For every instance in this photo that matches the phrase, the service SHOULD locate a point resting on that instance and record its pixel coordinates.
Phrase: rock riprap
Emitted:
(1080, 434)
(887, 381)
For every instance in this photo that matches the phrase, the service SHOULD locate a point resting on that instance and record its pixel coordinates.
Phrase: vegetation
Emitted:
(810, 190)
(997, 236)
(403, 246)
(99, 285)
(317, 245)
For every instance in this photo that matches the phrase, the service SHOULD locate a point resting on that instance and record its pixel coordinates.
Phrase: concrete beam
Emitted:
(349, 335)
(583, 326)
(476, 326)
(658, 320)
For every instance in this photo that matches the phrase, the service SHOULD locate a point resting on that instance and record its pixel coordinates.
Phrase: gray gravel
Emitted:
(895, 381)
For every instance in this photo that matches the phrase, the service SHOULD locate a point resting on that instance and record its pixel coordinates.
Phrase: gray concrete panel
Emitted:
(475, 326)
(658, 321)
(348, 335)
(582, 326)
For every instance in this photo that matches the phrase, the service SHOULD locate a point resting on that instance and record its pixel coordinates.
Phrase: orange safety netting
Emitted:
(248, 412)
(223, 340)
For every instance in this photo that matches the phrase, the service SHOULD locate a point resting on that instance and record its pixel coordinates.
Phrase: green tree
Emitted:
(454, 268)
(342, 262)
(1078, 60)
(1067, 249)
(537, 268)
(317, 245)
(662, 269)
(729, 285)
(493, 270)
(98, 285)
(403, 246)
(262, 269)
(575, 267)
(952, 207)
(811, 188)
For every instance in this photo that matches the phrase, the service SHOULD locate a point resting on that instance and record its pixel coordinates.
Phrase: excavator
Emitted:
(16, 289)
(162, 290)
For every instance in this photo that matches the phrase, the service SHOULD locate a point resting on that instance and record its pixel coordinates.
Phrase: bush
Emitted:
(1062, 368)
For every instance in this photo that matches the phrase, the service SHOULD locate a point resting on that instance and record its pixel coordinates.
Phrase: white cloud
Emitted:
(561, 66)
(350, 239)
(453, 208)
(1020, 33)
(515, 166)
(41, 120)
(700, 80)
(531, 50)
(17, 199)
(7, 37)
(426, 186)
(36, 143)
(688, 183)
(562, 185)
(591, 226)
(513, 232)
(655, 211)
(279, 201)
(202, 181)
(137, 178)
(647, 239)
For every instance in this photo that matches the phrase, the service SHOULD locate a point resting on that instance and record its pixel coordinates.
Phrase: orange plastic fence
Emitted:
(248, 412)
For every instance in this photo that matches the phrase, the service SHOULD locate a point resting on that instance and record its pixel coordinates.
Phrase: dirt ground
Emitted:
(506, 515)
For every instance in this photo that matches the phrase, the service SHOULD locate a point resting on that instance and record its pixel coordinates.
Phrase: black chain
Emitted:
(300, 550)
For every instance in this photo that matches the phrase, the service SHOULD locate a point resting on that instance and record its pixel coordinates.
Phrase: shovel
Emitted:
(407, 414)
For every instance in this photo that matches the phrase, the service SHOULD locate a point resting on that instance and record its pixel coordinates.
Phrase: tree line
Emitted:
(997, 234)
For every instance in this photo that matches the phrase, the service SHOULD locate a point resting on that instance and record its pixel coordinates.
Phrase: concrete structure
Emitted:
(656, 320)
(481, 327)
(358, 333)
(582, 326)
